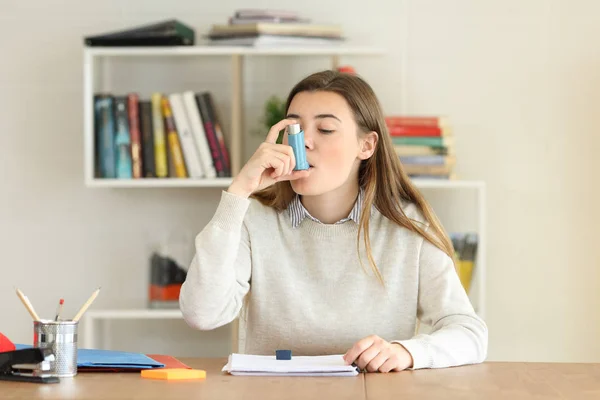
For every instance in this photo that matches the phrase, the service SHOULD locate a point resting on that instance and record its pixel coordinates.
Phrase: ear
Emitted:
(367, 145)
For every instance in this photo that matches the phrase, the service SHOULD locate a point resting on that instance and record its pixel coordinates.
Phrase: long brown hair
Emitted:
(382, 177)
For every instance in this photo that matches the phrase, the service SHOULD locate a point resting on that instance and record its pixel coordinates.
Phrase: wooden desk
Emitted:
(489, 381)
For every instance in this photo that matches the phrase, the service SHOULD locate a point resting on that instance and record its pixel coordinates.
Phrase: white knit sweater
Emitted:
(306, 289)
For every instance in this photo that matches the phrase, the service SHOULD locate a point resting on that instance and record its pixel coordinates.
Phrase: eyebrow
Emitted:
(319, 116)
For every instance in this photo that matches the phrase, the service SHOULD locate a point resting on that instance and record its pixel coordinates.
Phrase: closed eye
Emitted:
(325, 131)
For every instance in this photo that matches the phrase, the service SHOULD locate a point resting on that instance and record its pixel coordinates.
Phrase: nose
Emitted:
(308, 139)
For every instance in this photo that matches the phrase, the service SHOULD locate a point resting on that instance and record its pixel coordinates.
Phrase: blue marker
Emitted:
(296, 140)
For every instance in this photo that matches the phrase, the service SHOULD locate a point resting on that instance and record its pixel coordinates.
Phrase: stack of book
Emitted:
(250, 27)
(176, 135)
(424, 144)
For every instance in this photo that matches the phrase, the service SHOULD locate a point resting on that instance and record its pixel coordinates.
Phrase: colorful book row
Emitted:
(175, 135)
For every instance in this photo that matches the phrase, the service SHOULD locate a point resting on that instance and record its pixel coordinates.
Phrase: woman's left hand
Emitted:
(373, 354)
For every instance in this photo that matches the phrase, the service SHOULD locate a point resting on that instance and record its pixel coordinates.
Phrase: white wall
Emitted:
(518, 80)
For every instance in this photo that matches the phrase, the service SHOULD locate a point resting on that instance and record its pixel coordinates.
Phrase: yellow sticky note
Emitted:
(173, 373)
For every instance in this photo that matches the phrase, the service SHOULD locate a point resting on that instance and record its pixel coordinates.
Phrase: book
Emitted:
(419, 131)
(147, 133)
(246, 364)
(259, 40)
(106, 151)
(160, 137)
(265, 12)
(428, 159)
(197, 126)
(211, 134)
(186, 139)
(288, 29)
(163, 33)
(416, 120)
(174, 144)
(136, 135)
(122, 139)
(415, 151)
(447, 141)
(429, 169)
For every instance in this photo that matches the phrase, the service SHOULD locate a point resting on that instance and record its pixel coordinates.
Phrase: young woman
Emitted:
(343, 258)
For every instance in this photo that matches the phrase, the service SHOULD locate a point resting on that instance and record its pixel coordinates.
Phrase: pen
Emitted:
(27, 305)
(86, 305)
(59, 309)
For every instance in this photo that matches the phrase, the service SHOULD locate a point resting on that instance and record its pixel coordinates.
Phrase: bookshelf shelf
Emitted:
(159, 183)
(225, 182)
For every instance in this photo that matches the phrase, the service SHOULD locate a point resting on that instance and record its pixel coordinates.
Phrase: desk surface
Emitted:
(488, 381)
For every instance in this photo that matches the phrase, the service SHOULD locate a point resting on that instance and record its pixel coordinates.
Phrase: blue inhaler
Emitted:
(296, 140)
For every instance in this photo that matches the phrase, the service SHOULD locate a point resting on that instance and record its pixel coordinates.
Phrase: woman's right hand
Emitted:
(270, 163)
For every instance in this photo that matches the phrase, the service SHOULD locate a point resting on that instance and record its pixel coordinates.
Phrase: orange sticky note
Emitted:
(173, 373)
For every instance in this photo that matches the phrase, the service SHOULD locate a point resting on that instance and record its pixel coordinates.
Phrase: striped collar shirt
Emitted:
(298, 212)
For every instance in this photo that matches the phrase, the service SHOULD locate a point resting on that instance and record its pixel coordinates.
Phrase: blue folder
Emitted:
(111, 359)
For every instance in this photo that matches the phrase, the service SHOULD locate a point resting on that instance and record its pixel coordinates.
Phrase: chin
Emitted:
(310, 186)
(305, 187)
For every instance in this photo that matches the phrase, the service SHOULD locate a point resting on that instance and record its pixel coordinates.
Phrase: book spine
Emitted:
(147, 132)
(174, 144)
(160, 143)
(122, 139)
(414, 121)
(407, 150)
(200, 139)
(214, 116)
(421, 141)
(211, 136)
(104, 110)
(190, 153)
(416, 131)
(425, 160)
(136, 137)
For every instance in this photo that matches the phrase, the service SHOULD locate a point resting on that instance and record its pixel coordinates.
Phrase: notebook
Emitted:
(246, 364)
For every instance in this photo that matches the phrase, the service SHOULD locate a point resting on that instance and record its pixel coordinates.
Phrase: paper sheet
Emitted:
(245, 364)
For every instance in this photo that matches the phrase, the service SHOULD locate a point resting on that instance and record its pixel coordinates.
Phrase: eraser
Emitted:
(283, 354)
(173, 373)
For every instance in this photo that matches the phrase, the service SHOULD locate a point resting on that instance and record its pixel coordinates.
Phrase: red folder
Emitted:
(7, 345)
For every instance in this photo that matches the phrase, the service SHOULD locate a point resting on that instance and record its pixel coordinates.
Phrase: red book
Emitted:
(418, 131)
(414, 120)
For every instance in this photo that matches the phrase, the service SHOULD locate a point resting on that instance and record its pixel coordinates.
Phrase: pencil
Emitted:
(86, 305)
(59, 309)
(27, 305)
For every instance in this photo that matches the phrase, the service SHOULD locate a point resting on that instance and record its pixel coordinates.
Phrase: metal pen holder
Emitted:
(61, 337)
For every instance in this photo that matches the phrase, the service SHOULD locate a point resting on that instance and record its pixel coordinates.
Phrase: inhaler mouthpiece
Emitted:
(296, 140)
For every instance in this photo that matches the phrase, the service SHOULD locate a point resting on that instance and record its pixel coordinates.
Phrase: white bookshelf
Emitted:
(94, 75)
